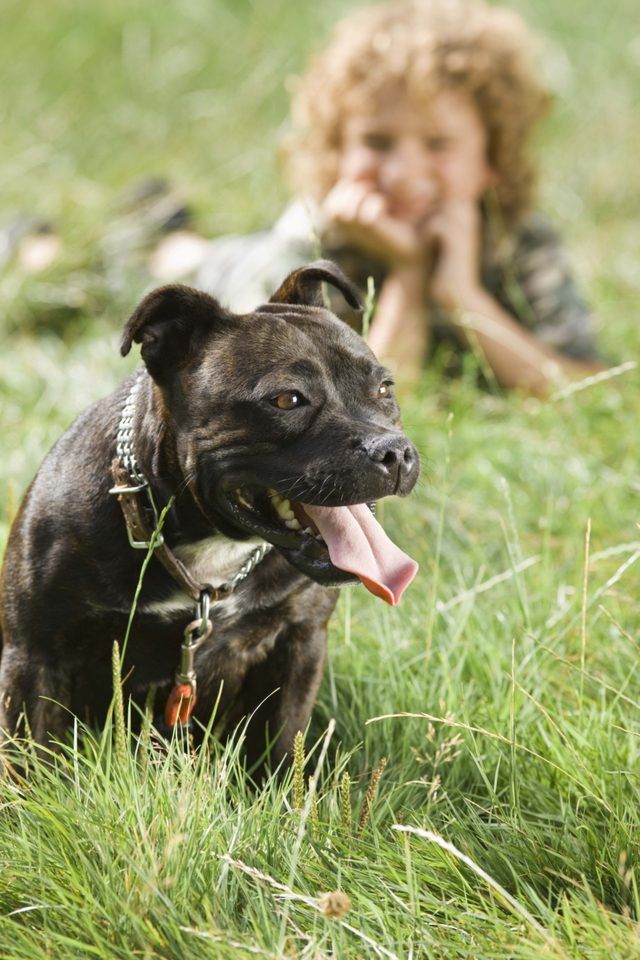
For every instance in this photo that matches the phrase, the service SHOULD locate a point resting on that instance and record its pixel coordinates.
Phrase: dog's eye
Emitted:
(384, 390)
(289, 400)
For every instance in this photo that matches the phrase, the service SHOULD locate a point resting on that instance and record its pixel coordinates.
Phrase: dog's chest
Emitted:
(217, 559)
(212, 561)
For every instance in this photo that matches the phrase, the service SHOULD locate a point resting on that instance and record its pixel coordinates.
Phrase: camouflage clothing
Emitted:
(528, 273)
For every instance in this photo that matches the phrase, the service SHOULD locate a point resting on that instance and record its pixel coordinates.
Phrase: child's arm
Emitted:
(517, 358)
(400, 331)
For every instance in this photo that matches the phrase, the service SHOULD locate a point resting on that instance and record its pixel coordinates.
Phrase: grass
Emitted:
(504, 692)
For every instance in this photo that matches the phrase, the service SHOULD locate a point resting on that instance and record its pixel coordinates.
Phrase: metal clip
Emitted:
(195, 633)
(119, 491)
(144, 544)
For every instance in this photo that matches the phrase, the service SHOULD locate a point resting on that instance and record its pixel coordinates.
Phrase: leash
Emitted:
(132, 489)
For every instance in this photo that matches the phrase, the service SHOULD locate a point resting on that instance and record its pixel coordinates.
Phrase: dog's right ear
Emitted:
(170, 324)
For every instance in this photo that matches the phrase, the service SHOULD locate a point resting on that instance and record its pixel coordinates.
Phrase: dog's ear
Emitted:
(170, 323)
(304, 285)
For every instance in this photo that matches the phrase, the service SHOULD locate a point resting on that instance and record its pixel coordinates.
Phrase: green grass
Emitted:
(511, 667)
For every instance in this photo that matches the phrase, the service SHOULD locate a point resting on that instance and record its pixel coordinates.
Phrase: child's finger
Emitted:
(371, 207)
(434, 227)
(343, 201)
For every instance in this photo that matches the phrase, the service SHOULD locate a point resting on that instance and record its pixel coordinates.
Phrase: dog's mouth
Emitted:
(286, 521)
(332, 545)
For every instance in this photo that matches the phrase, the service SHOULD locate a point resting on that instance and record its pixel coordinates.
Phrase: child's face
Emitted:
(418, 159)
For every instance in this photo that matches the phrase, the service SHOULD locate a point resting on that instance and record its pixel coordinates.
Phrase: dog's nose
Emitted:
(394, 453)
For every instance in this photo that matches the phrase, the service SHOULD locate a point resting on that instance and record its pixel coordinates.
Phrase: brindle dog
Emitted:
(234, 413)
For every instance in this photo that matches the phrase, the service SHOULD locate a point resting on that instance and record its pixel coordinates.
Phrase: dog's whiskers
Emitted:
(293, 480)
(188, 479)
(331, 490)
(287, 489)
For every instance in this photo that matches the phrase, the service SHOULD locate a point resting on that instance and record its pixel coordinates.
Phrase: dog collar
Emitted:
(130, 483)
(130, 486)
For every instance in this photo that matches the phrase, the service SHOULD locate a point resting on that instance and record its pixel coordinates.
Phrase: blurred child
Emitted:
(410, 155)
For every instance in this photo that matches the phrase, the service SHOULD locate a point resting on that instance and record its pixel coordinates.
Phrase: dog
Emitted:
(246, 454)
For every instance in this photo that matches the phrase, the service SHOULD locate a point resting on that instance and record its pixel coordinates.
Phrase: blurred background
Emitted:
(98, 98)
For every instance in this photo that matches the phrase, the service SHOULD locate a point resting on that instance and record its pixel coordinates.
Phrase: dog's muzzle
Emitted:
(331, 544)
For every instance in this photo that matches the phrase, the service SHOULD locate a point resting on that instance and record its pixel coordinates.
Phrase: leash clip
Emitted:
(195, 633)
(182, 699)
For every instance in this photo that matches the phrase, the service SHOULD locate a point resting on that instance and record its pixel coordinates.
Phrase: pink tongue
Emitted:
(358, 544)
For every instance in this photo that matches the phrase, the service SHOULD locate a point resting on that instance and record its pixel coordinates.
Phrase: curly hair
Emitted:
(424, 46)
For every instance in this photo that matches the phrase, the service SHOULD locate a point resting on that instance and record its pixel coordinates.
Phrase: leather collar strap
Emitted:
(140, 531)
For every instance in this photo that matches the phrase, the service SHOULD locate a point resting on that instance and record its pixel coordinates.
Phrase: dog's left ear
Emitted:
(304, 285)
(169, 324)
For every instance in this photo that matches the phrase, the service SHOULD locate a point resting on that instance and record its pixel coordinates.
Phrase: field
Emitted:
(504, 693)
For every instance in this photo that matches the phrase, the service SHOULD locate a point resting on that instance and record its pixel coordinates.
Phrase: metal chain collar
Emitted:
(124, 436)
(125, 452)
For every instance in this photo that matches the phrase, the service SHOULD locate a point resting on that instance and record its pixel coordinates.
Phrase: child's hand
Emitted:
(360, 213)
(455, 229)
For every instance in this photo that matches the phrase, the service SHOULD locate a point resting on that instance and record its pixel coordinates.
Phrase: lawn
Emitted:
(503, 693)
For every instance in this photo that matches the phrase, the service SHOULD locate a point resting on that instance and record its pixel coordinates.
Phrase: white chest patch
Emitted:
(216, 559)
(208, 561)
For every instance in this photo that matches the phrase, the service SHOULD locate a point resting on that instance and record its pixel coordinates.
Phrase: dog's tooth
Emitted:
(292, 524)
(242, 500)
(284, 510)
(308, 531)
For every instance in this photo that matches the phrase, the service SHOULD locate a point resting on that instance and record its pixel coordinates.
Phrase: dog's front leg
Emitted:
(278, 694)
(34, 695)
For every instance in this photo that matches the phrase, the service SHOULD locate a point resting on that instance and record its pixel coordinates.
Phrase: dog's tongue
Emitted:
(358, 544)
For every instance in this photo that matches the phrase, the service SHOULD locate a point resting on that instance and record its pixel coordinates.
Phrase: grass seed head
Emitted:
(345, 804)
(370, 795)
(334, 905)
(298, 771)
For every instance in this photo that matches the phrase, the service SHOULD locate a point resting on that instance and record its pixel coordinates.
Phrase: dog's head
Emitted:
(279, 417)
